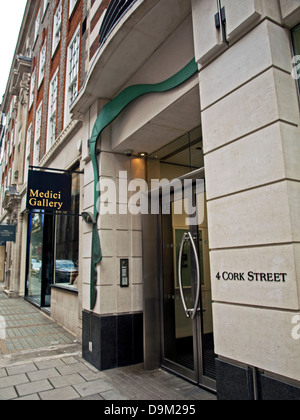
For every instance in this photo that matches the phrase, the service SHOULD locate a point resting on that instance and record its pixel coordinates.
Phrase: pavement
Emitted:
(40, 360)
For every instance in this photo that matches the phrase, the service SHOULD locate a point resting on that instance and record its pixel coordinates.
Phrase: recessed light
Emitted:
(143, 154)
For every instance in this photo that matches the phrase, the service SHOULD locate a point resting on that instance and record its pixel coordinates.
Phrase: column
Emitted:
(250, 118)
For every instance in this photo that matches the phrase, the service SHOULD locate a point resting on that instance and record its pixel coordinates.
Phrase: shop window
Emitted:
(53, 250)
(67, 241)
(296, 59)
(40, 266)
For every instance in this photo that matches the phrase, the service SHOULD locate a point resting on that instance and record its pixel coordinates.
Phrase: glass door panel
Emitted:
(208, 373)
(40, 259)
(35, 264)
(188, 345)
(179, 295)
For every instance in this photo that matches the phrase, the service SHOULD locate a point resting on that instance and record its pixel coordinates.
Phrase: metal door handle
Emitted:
(190, 313)
(197, 300)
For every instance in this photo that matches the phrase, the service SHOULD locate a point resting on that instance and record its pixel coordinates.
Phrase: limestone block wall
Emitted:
(250, 120)
(120, 235)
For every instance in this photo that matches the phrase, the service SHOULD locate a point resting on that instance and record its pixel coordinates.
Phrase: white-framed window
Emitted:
(37, 135)
(37, 26)
(27, 152)
(72, 6)
(12, 140)
(72, 77)
(42, 63)
(45, 5)
(57, 27)
(32, 87)
(9, 177)
(52, 110)
(73, 67)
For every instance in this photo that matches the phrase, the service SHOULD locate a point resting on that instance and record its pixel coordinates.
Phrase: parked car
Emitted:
(66, 271)
(36, 267)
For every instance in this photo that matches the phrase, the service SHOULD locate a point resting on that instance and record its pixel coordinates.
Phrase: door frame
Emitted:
(45, 260)
(153, 298)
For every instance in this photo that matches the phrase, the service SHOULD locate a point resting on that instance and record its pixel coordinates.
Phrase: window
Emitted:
(32, 86)
(296, 59)
(72, 78)
(73, 67)
(9, 177)
(37, 26)
(37, 137)
(27, 152)
(57, 28)
(72, 6)
(52, 110)
(67, 241)
(45, 6)
(42, 64)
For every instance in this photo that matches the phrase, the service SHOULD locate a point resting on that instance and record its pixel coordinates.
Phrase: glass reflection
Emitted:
(34, 279)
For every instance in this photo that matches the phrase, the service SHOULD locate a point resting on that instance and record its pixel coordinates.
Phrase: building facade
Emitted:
(178, 121)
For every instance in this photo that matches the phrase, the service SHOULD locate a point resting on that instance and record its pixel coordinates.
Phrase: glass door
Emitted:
(188, 347)
(39, 260)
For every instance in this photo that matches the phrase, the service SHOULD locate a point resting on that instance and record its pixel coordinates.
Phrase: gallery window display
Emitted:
(52, 251)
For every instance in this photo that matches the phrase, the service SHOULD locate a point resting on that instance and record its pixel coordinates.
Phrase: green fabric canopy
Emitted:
(106, 117)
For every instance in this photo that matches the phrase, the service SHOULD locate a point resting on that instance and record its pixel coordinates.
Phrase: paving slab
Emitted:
(62, 394)
(33, 387)
(39, 360)
(93, 387)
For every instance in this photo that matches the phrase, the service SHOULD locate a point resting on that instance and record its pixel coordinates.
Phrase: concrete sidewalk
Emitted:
(39, 360)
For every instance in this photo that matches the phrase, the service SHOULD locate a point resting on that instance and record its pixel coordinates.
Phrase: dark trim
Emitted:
(112, 341)
(115, 11)
(64, 288)
(236, 383)
(71, 171)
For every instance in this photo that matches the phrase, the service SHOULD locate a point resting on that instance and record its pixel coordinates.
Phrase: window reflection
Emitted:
(67, 241)
(296, 42)
(179, 157)
(34, 279)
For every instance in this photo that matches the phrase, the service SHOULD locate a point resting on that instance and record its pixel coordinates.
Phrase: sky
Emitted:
(11, 15)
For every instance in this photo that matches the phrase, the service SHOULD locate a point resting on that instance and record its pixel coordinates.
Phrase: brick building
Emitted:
(51, 57)
(203, 94)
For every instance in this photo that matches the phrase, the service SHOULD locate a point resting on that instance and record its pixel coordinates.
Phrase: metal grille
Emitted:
(115, 11)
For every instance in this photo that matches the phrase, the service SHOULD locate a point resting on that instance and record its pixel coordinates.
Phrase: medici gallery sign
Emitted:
(49, 192)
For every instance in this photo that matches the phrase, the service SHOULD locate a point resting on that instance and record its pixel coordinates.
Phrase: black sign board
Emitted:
(7, 233)
(49, 192)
